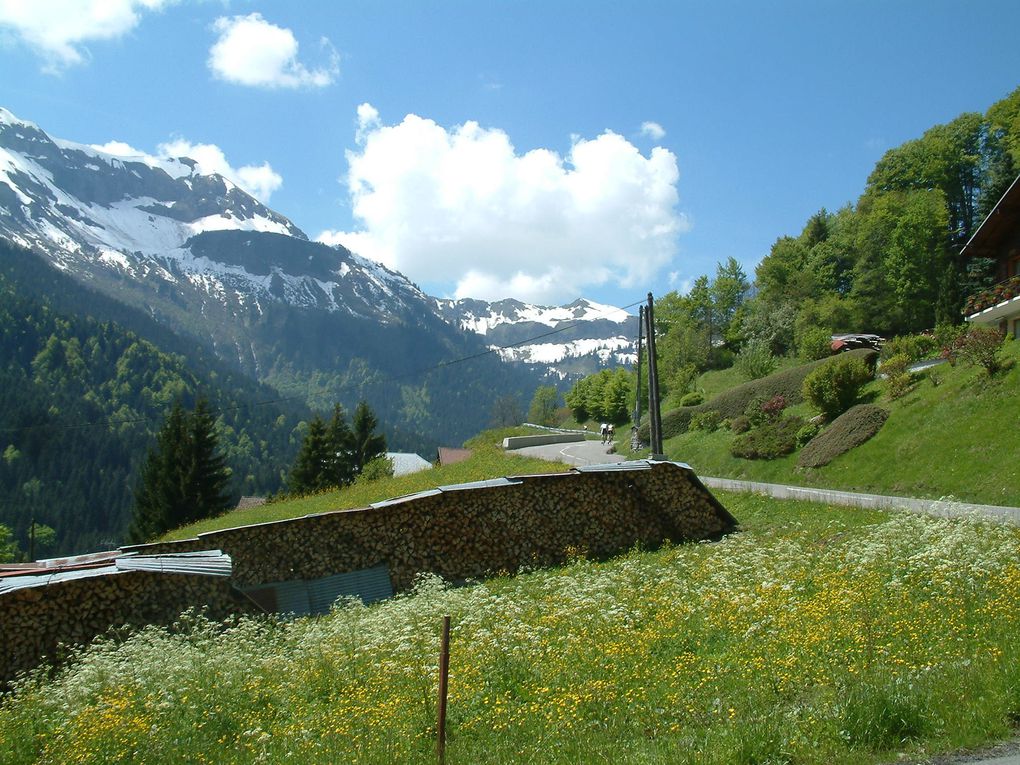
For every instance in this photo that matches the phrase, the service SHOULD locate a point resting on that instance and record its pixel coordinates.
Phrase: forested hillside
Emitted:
(84, 384)
(887, 264)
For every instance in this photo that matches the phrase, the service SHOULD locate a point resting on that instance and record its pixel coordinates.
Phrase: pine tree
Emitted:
(160, 494)
(367, 444)
(340, 467)
(208, 476)
(309, 472)
(184, 478)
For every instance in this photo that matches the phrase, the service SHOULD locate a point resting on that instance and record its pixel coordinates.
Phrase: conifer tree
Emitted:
(309, 472)
(184, 477)
(367, 444)
(340, 467)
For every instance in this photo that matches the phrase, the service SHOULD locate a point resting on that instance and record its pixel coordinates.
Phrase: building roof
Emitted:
(405, 463)
(1000, 222)
(204, 563)
(449, 455)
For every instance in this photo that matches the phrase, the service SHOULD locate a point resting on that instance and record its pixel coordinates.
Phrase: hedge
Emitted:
(732, 403)
(850, 429)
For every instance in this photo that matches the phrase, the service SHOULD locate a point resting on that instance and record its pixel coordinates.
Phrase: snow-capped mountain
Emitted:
(577, 338)
(163, 221)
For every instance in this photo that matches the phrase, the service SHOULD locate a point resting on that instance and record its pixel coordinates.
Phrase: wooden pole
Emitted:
(654, 415)
(637, 398)
(444, 673)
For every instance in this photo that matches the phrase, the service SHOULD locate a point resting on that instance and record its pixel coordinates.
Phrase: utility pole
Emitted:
(654, 415)
(637, 398)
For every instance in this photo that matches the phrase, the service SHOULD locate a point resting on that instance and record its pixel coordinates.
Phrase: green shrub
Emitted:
(847, 431)
(740, 424)
(692, 399)
(914, 347)
(809, 431)
(732, 403)
(707, 421)
(980, 346)
(897, 377)
(947, 339)
(815, 343)
(833, 387)
(755, 360)
(768, 441)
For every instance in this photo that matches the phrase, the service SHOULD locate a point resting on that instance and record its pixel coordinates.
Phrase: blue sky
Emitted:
(539, 150)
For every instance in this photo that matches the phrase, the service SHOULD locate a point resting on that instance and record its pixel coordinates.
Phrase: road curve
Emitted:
(591, 452)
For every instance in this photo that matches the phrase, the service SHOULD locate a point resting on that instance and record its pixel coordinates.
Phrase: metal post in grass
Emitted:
(444, 674)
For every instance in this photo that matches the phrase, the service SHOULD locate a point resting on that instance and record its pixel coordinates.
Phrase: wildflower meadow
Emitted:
(813, 635)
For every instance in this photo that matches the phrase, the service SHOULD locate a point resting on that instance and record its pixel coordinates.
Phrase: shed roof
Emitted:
(204, 563)
(405, 463)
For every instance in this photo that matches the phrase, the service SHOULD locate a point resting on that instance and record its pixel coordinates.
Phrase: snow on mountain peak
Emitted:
(9, 118)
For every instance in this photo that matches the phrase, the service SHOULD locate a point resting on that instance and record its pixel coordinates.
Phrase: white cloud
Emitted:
(653, 130)
(461, 205)
(251, 51)
(56, 29)
(258, 180)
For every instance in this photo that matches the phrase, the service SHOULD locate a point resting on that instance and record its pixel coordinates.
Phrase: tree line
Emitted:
(185, 476)
(888, 263)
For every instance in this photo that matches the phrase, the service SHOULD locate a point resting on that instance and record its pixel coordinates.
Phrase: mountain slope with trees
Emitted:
(84, 385)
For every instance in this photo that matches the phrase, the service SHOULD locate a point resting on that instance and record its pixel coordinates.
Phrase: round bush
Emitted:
(768, 441)
(847, 431)
(709, 421)
(692, 399)
(833, 387)
(740, 424)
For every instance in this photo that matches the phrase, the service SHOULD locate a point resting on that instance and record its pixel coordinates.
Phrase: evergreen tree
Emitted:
(340, 467)
(184, 478)
(309, 472)
(367, 444)
(208, 476)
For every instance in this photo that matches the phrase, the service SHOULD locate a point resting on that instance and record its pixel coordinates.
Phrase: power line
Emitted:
(111, 422)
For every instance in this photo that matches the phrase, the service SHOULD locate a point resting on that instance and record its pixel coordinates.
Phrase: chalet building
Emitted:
(998, 238)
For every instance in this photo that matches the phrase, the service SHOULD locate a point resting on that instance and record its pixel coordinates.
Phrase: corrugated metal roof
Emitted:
(205, 563)
(615, 467)
(405, 498)
(489, 484)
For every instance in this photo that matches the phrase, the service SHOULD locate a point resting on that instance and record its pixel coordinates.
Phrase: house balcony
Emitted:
(994, 304)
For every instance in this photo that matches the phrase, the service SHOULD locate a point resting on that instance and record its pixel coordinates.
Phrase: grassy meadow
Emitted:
(954, 438)
(814, 635)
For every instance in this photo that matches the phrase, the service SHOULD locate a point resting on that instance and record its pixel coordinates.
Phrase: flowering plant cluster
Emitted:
(815, 635)
(992, 296)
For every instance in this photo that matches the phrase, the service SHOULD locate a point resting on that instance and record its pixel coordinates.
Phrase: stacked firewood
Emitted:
(472, 533)
(41, 622)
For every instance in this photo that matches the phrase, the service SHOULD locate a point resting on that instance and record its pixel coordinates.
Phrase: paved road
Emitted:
(591, 452)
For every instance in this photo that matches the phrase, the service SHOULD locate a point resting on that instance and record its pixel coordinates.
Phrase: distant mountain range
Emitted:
(210, 261)
(578, 338)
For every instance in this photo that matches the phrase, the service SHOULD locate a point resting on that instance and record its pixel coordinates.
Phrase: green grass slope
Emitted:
(957, 439)
(815, 635)
(487, 461)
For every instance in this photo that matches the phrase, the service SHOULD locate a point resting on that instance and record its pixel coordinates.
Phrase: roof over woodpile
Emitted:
(204, 563)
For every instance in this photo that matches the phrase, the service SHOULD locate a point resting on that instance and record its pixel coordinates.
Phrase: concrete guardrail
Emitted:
(519, 442)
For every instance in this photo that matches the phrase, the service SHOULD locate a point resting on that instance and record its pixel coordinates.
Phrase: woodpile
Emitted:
(471, 533)
(40, 623)
(458, 533)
